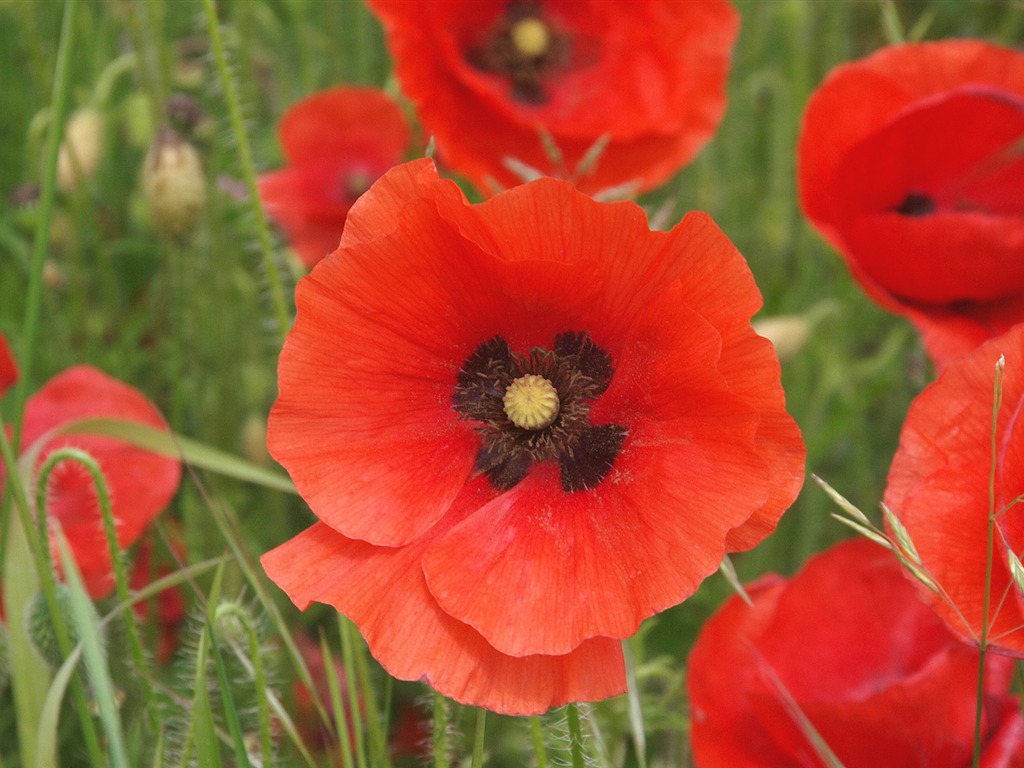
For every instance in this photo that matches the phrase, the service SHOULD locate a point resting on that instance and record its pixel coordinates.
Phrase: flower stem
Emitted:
(270, 264)
(440, 732)
(575, 735)
(478, 739)
(537, 736)
(47, 192)
(997, 399)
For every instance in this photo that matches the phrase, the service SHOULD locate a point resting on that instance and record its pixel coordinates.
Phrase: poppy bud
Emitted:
(81, 149)
(41, 631)
(174, 183)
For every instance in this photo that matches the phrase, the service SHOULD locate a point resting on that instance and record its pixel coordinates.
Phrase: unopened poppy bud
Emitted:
(174, 183)
(81, 149)
(39, 625)
(789, 333)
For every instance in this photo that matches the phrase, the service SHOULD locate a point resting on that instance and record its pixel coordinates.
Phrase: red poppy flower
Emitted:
(525, 427)
(847, 645)
(141, 483)
(337, 142)
(167, 610)
(908, 166)
(8, 368)
(488, 77)
(939, 489)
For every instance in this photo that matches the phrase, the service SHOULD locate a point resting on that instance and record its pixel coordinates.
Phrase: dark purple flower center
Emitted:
(523, 46)
(578, 371)
(916, 204)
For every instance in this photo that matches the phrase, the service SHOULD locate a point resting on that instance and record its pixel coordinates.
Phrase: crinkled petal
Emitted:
(383, 591)
(141, 483)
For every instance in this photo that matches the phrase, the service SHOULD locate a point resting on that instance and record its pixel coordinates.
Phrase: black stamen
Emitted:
(916, 204)
(579, 371)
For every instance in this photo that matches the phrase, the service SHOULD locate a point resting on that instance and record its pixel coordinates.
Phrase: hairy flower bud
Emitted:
(174, 183)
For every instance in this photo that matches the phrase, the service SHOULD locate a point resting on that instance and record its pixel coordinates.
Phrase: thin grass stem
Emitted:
(997, 399)
(270, 265)
(47, 193)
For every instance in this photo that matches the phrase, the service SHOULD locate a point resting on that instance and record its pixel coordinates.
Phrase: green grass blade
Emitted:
(102, 687)
(169, 444)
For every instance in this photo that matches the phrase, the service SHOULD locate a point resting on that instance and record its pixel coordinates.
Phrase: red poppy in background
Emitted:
(337, 143)
(8, 368)
(939, 489)
(141, 483)
(911, 165)
(166, 612)
(847, 645)
(488, 77)
(525, 427)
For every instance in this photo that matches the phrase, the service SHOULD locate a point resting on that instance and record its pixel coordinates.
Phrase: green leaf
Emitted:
(169, 444)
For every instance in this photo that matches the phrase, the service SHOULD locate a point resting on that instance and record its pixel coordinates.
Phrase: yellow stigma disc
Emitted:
(531, 402)
(531, 37)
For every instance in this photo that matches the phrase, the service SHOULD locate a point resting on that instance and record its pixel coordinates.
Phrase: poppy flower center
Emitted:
(531, 402)
(536, 407)
(523, 47)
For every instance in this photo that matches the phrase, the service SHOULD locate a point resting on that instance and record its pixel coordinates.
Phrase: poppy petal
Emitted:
(939, 487)
(383, 591)
(8, 368)
(538, 570)
(141, 483)
(361, 123)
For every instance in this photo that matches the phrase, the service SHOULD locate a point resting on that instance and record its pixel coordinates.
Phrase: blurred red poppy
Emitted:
(489, 77)
(8, 368)
(845, 650)
(911, 164)
(141, 483)
(337, 142)
(165, 614)
(525, 427)
(939, 489)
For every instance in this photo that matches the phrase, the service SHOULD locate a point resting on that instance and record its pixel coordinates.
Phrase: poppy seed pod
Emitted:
(174, 183)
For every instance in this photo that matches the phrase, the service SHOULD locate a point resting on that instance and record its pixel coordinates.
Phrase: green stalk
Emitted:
(270, 264)
(440, 741)
(572, 714)
(537, 737)
(47, 192)
(997, 399)
(478, 739)
(48, 582)
(117, 561)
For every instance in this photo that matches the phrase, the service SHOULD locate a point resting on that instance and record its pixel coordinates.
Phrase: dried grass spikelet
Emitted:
(174, 183)
(81, 149)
